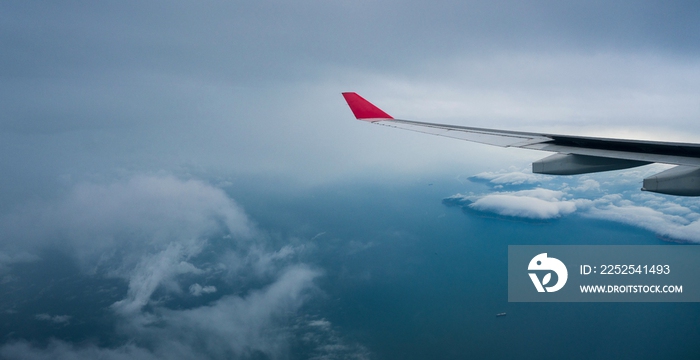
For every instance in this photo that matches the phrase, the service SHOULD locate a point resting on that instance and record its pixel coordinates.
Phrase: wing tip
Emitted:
(363, 109)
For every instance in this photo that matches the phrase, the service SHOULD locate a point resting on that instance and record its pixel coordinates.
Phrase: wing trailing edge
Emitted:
(575, 154)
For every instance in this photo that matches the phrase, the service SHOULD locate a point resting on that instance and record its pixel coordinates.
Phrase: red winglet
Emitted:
(363, 109)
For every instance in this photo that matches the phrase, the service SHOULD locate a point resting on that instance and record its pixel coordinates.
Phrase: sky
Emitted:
(166, 149)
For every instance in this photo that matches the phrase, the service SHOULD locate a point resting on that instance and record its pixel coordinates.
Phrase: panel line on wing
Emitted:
(503, 139)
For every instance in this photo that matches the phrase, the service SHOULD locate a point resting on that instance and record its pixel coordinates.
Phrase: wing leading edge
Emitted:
(574, 154)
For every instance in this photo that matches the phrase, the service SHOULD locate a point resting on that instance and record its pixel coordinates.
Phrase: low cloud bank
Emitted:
(530, 204)
(154, 232)
(675, 218)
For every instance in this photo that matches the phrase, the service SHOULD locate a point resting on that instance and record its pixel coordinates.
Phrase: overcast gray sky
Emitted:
(126, 127)
(95, 89)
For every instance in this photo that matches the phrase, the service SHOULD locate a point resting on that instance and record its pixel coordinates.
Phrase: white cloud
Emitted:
(231, 327)
(323, 323)
(149, 231)
(327, 343)
(156, 270)
(138, 213)
(143, 229)
(198, 290)
(587, 185)
(675, 218)
(657, 221)
(234, 326)
(531, 204)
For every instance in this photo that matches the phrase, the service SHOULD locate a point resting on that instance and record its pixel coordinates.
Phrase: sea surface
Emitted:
(404, 276)
(431, 277)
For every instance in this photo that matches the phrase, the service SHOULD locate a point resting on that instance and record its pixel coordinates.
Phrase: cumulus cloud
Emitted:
(231, 327)
(671, 222)
(140, 212)
(154, 271)
(198, 290)
(530, 204)
(523, 206)
(327, 343)
(152, 232)
(587, 185)
(235, 326)
(674, 218)
(143, 229)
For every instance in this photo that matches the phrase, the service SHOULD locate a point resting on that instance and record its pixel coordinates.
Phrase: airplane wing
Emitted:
(573, 154)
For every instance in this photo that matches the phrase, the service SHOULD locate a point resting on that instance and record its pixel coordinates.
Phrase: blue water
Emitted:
(434, 276)
(406, 276)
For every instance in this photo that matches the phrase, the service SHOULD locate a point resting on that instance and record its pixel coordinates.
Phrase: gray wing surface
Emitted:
(573, 154)
(636, 150)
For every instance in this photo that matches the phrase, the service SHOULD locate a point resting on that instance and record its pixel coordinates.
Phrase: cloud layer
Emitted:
(531, 204)
(96, 91)
(674, 218)
(132, 87)
(152, 232)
